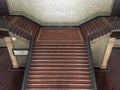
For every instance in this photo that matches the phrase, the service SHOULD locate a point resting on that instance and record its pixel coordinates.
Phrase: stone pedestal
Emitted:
(107, 53)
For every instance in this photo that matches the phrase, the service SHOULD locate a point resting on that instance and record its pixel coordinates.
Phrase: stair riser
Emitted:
(55, 61)
(59, 82)
(55, 45)
(81, 48)
(50, 44)
(59, 51)
(58, 73)
(71, 86)
(58, 77)
(59, 57)
(41, 69)
(46, 65)
(59, 54)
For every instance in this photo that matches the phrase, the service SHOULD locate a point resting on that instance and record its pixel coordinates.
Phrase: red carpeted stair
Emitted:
(59, 66)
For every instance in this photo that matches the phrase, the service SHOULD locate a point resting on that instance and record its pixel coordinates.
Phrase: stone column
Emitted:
(107, 53)
(10, 47)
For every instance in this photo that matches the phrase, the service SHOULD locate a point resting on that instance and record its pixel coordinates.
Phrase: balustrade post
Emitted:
(107, 53)
(10, 47)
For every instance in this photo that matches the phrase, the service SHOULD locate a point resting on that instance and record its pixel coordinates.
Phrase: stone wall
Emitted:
(2, 42)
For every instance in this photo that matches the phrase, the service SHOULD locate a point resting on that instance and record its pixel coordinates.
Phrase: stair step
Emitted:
(71, 42)
(60, 61)
(59, 50)
(54, 59)
(58, 65)
(57, 89)
(59, 54)
(50, 44)
(70, 45)
(57, 86)
(61, 47)
(59, 76)
(60, 57)
(59, 68)
(59, 72)
(58, 81)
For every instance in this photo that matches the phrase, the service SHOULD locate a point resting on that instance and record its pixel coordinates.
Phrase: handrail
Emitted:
(109, 27)
(100, 31)
(15, 29)
(94, 85)
(101, 28)
(24, 84)
(116, 24)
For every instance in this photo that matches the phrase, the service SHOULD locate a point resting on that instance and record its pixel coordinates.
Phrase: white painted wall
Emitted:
(98, 48)
(60, 12)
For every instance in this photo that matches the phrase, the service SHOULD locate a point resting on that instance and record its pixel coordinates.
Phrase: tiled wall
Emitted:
(60, 12)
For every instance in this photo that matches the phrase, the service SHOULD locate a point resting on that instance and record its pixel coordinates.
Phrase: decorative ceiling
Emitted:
(60, 12)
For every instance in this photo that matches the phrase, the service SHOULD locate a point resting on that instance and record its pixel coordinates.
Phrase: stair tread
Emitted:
(61, 84)
(60, 72)
(56, 53)
(58, 65)
(58, 81)
(59, 46)
(52, 61)
(59, 69)
(67, 44)
(59, 76)
(59, 51)
(59, 56)
(57, 86)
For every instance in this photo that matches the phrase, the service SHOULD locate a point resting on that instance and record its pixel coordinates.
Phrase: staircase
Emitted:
(59, 66)
(14, 29)
(97, 27)
(24, 23)
(58, 62)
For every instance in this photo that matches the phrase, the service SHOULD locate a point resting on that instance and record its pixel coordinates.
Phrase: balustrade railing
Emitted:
(107, 28)
(15, 29)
